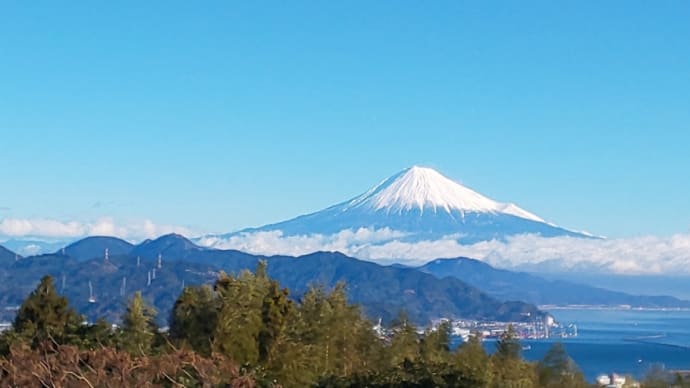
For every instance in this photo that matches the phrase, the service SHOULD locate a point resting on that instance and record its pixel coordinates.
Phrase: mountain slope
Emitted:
(385, 291)
(382, 291)
(32, 247)
(425, 189)
(6, 255)
(419, 203)
(175, 248)
(504, 284)
(72, 279)
(170, 246)
(95, 246)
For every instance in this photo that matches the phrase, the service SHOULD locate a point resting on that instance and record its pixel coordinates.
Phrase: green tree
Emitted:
(239, 319)
(348, 333)
(508, 345)
(404, 345)
(45, 315)
(510, 371)
(336, 339)
(557, 369)
(435, 345)
(321, 341)
(138, 326)
(97, 335)
(276, 310)
(261, 272)
(472, 364)
(194, 318)
(311, 328)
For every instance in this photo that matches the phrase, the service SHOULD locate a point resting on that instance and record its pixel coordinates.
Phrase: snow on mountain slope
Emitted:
(416, 204)
(424, 188)
(418, 215)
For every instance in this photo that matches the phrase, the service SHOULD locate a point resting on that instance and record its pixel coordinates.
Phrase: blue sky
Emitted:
(224, 115)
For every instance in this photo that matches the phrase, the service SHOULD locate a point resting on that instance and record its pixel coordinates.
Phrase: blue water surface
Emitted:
(626, 342)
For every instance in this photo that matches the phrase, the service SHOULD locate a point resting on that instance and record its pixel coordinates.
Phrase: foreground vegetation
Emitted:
(246, 332)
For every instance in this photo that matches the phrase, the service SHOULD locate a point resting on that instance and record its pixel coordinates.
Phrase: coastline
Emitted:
(549, 307)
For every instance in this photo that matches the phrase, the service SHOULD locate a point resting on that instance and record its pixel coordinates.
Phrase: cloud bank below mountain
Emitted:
(51, 229)
(638, 255)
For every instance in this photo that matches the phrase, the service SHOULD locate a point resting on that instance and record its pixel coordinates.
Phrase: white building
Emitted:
(611, 381)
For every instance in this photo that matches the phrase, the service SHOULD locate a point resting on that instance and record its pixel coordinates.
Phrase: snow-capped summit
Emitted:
(416, 204)
(424, 188)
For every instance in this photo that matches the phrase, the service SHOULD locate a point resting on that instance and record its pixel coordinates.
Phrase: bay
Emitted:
(627, 342)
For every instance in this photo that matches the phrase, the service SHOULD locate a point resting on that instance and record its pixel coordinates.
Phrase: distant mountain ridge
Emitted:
(32, 246)
(95, 246)
(458, 287)
(382, 291)
(7, 255)
(503, 284)
(171, 244)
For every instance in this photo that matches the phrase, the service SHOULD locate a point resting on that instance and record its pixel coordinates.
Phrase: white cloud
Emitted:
(273, 242)
(639, 255)
(106, 226)
(18, 227)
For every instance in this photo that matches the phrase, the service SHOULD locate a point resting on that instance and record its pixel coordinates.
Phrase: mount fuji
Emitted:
(417, 204)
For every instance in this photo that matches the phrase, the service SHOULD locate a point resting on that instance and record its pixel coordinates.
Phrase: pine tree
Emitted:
(509, 369)
(46, 316)
(261, 272)
(557, 369)
(309, 330)
(193, 319)
(239, 319)
(338, 340)
(405, 342)
(138, 326)
(314, 311)
(96, 336)
(435, 344)
(508, 346)
(276, 309)
(286, 360)
(472, 364)
(351, 336)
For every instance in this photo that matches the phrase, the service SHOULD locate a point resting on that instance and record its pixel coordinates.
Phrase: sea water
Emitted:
(627, 342)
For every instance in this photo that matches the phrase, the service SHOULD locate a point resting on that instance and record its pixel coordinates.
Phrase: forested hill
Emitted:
(247, 333)
(7, 256)
(383, 292)
(504, 284)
